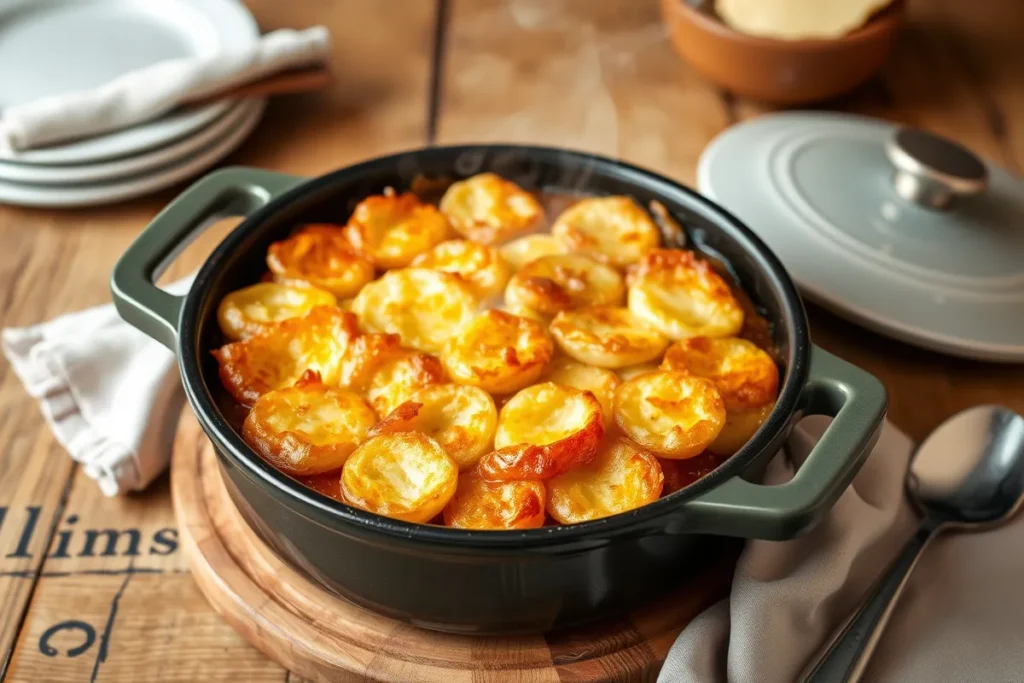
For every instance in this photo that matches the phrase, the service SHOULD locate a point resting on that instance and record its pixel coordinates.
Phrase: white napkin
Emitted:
(110, 393)
(152, 91)
(959, 620)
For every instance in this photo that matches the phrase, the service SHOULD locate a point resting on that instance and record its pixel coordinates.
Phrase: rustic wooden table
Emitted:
(96, 589)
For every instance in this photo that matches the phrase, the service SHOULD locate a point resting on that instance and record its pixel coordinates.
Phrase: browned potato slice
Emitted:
(521, 251)
(394, 381)
(250, 310)
(404, 476)
(482, 504)
(391, 230)
(562, 281)
(544, 430)
(321, 256)
(607, 336)
(308, 428)
(481, 266)
(620, 478)
(613, 229)
(498, 352)
(744, 375)
(740, 426)
(673, 414)
(598, 381)
(682, 296)
(681, 473)
(487, 208)
(460, 418)
(425, 308)
(278, 356)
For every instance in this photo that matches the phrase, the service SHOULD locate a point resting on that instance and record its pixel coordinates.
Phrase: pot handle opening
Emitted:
(227, 192)
(856, 401)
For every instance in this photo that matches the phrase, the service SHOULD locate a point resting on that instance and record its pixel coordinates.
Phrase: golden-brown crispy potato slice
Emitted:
(391, 230)
(308, 428)
(744, 375)
(560, 282)
(487, 208)
(682, 296)
(394, 381)
(620, 478)
(404, 476)
(278, 356)
(319, 255)
(681, 473)
(615, 230)
(676, 415)
(460, 418)
(425, 308)
(740, 426)
(598, 381)
(495, 505)
(521, 251)
(544, 430)
(607, 336)
(251, 310)
(499, 352)
(481, 266)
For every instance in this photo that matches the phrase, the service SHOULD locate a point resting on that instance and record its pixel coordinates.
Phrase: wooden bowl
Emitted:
(786, 72)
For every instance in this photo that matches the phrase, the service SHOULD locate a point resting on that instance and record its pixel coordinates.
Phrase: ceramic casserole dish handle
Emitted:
(227, 192)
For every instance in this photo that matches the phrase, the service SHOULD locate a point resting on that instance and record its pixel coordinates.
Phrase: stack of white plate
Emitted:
(48, 47)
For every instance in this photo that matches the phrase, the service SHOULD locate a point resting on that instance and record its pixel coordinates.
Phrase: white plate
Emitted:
(106, 193)
(146, 161)
(48, 47)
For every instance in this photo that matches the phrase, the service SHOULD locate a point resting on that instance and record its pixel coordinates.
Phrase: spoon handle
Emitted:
(848, 655)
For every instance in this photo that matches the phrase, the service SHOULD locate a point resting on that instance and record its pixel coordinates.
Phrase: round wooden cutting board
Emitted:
(324, 638)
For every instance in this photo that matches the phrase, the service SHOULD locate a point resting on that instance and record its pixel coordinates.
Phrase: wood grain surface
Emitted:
(591, 74)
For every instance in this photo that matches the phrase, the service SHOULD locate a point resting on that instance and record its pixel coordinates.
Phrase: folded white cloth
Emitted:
(110, 393)
(959, 620)
(152, 91)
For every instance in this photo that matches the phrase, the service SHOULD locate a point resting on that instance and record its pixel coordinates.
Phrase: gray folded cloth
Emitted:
(960, 618)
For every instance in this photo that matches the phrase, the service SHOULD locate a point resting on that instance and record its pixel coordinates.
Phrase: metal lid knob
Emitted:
(933, 171)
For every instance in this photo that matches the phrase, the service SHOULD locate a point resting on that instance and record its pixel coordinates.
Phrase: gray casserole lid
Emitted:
(897, 229)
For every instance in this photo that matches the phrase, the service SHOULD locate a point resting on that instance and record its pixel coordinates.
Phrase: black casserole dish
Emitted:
(504, 581)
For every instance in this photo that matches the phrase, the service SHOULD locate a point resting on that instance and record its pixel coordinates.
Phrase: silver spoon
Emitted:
(967, 475)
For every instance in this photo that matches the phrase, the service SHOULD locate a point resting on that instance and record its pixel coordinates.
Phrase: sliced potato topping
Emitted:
(499, 352)
(544, 430)
(250, 310)
(487, 208)
(425, 308)
(607, 336)
(620, 478)
(319, 255)
(636, 370)
(744, 375)
(681, 473)
(676, 415)
(598, 381)
(481, 266)
(394, 381)
(405, 476)
(460, 418)
(682, 296)
(278, 356)
(521, 251)
(482, 504)
(308, 428)
(391, 230)
(559, 282)
(613, 229)
(740, 426)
